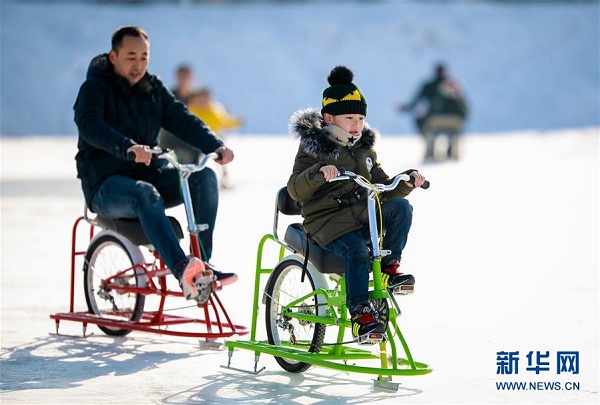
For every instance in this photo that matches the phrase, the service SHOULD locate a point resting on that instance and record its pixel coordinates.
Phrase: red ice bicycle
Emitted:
(122, 273)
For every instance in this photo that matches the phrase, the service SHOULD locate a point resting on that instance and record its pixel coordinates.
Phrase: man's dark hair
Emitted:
(120, 33)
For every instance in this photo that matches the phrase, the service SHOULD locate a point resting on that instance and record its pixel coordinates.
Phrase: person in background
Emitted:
(184, 83)
(335, 213)
(439, 108)
(202, 104)
(119, 111)
(186, 153)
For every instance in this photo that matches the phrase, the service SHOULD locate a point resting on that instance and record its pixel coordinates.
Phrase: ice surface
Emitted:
(504, 247)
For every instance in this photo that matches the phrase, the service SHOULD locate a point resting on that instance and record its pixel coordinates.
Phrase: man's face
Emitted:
(131, 60)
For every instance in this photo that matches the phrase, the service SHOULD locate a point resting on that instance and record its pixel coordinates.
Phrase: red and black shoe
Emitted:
(366, 328)
(395, 281)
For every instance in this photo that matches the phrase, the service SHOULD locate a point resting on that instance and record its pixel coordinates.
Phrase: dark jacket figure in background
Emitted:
(439, 108)
(186, 154)
(335, 214)
(120, 109)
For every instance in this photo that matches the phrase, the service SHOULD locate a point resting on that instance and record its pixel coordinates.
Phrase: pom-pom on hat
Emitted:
(343, 96)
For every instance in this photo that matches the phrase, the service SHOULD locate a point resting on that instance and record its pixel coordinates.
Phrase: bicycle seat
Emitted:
(324, 260)
(286, 204)
(131, 228)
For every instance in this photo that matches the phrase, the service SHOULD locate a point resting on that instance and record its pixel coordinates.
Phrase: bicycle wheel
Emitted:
(106, 257)
(285, 286)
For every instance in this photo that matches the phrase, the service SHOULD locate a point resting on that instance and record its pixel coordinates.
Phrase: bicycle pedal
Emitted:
(402, 289)
(370, 338)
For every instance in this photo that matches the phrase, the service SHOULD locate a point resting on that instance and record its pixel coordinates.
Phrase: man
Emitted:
(119, 110)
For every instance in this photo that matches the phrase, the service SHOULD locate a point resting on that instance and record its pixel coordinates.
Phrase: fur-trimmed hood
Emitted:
(308, 125)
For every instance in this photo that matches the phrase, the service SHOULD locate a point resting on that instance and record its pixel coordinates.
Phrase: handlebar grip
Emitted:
(219, 156)
(424, 186)
(156, 152)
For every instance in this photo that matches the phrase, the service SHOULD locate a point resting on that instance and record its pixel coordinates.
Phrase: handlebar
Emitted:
(169, 156)
(347, 175)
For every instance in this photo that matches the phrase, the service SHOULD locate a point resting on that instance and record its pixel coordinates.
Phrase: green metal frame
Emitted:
(334, 356)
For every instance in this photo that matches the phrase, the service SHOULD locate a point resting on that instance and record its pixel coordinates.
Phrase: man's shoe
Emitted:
(366, 329)
(221, 279)
(395, 281)
(196, 280)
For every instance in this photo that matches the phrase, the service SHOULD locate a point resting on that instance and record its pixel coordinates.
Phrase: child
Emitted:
(202, 104)
(335, 214)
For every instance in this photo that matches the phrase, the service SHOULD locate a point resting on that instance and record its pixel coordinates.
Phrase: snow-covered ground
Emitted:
(504, 248)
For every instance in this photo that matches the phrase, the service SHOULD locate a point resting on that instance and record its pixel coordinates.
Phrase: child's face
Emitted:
(351, 123)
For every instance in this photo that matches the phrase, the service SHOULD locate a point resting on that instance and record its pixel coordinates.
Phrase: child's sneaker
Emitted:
(221, 279)
(196, 280)
(366, 328)
(395, 281)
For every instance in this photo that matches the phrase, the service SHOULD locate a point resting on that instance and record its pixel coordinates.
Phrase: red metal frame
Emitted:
(215, 314)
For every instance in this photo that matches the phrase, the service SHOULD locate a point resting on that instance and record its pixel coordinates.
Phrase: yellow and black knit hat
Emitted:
(343, 96)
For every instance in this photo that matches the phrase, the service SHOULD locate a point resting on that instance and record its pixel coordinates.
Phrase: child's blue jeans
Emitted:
(352, 247)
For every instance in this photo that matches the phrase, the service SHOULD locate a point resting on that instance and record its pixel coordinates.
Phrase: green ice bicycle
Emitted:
(307, 322)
